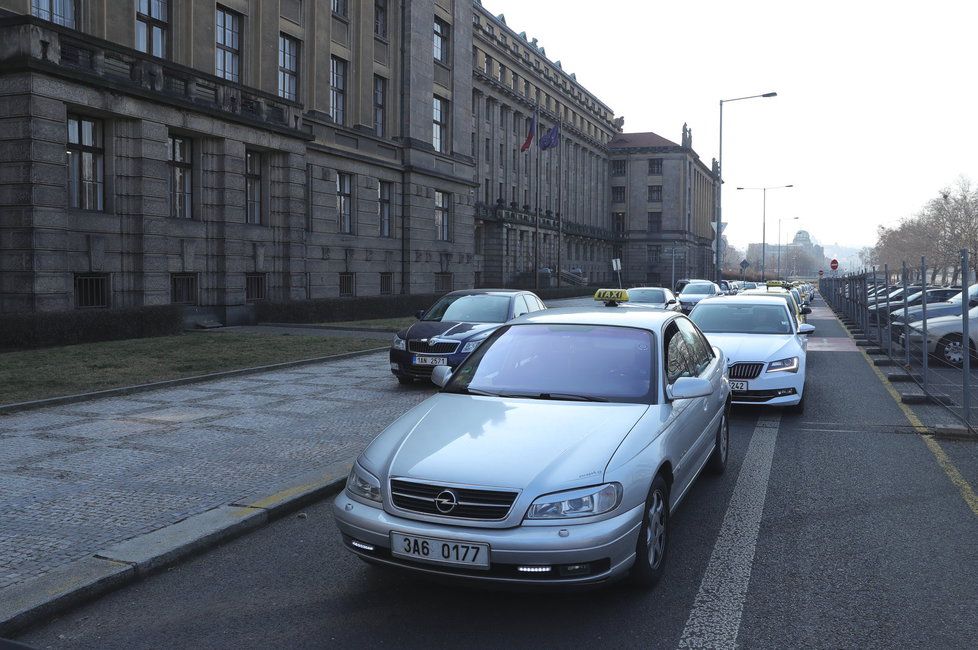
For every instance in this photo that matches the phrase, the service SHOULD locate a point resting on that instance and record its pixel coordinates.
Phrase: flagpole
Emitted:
(536, 217)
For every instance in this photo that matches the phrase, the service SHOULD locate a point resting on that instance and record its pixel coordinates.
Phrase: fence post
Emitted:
(879, 323)
(966, 338)
(886, 281)
(906, 344)
(865, 295)
(923, 316)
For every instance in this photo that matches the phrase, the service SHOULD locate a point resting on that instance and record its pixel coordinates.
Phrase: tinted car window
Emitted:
(551, 361)
(726, 318)
(702, 355)
(647, 295)
(478, 308)
(698, 288)
(678, 356)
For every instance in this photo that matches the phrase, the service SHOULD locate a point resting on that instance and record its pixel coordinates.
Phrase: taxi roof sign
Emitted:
(611, 297)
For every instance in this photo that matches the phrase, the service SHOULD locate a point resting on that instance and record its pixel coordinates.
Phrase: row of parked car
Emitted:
(562, 440)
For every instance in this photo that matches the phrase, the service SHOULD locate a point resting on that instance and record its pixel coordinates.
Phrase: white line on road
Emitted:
(714, 621)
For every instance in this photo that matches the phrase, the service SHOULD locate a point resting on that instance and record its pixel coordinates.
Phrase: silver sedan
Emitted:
(555, 454)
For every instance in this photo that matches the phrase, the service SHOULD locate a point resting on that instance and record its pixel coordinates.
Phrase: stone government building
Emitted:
(217, 154)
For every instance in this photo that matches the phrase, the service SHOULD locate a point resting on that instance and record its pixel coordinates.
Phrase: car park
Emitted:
(934, 296)
(945, 336)
(453, 327)
(951, 307)
(554, 455)
(765, 346)
(696, 291)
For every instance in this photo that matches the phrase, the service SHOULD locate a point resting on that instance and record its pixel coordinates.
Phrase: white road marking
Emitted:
(714, 621)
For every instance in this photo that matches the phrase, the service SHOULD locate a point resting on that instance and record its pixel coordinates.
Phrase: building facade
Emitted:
(662, 202)
(217, 154)
(802, 257)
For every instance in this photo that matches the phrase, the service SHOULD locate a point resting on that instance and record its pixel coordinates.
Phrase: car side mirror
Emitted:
(441, 375)
(689, 388)
(419, 314)
(671, 301)
(806, 310)
(806, 329)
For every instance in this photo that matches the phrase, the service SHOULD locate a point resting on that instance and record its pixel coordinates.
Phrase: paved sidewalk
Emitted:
(75, 479)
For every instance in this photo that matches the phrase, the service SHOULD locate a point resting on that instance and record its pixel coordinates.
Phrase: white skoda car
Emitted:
(764, 344)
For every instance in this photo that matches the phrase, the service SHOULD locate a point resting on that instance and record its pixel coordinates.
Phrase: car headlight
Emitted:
(584, 502)
(363, 484)
(398, 343)
(784, 365)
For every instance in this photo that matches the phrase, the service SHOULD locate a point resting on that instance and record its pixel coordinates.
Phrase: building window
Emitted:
(479, 239)
(86, 164)
(487, 68)
(348, 285)
(439, 124)
(655, 222)
(344, 202)
(180, 155)
(441, 41)
(337, 90)
(253, 169)
(380, 105)
(92, 291)
(256, 286)
(619, 221)
(183, 288)
(384, 191)
(443, 215)
(386, 283)
(380, 18)
(288, 67)
(228, 50)
(618, 194)
(59, 12)
(617, 167)
(655, 193)
(443, 282)
(654, 254)
(340, 8)
(655, 166)
(151, 24)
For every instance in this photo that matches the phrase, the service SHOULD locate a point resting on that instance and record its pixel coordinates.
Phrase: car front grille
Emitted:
(746, 370)
(471, 503)
(433, 347)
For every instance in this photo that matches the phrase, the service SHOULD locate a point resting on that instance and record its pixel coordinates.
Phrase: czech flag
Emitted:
(532, 133)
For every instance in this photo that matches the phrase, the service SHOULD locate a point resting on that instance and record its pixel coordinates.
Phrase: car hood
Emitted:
(933, 310)
(943, 324)
(755, 347)
(692, 297)
(426, 329)
(502, 442)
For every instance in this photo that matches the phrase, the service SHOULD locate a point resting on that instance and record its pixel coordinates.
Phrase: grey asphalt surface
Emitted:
(864, 541)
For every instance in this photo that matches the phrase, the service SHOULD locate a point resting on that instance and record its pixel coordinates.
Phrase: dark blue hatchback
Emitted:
(453, 327)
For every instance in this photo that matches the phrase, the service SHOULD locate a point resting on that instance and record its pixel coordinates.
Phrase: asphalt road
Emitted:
(862, 539)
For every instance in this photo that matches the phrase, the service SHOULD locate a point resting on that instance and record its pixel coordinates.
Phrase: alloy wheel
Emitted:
(656, 532)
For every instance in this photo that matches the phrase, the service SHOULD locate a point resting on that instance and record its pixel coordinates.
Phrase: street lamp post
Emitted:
(719, 206)
(764, 224)
(779, 243)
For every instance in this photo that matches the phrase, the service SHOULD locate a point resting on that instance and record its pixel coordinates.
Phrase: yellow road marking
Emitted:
(967, 492)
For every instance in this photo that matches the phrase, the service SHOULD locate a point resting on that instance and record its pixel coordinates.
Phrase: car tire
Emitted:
(949, 350)
(652, 546)
(721, 449)
(404, 380)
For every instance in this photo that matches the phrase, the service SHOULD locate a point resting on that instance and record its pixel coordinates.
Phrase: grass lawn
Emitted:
(392, 324)
(50, 372)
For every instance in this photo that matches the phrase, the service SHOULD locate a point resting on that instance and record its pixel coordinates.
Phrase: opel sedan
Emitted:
(554, 455)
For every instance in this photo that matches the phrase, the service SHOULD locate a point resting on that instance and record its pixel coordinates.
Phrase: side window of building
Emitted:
(59, 12)
(227, 53)
(152, 18)
(679, 358)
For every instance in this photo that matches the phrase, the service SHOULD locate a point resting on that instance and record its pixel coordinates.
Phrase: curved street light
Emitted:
(719, 206)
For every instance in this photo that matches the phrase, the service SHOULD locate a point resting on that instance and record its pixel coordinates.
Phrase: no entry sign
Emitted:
(834, 265)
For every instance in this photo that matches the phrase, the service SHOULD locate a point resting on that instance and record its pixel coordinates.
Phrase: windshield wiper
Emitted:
(568, 397)
(476, 391)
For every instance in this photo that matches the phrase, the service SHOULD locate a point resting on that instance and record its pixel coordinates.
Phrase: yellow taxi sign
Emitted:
(611, 295)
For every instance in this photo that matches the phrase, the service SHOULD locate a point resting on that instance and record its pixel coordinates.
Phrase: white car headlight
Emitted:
(398, 343)
(784, 365)
(584, 502)
(363, 484)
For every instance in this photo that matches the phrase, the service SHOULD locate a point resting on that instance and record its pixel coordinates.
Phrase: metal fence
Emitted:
(924, 342)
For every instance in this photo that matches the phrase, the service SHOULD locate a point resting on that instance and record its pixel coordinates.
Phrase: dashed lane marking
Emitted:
(714, 620)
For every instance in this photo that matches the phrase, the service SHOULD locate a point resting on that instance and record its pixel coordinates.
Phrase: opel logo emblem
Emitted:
(446, 501)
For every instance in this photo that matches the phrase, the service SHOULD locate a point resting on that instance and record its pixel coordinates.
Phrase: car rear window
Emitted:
(730, 318)
(478, 308)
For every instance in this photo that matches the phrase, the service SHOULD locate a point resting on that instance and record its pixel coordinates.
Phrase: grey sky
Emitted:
(875, 113)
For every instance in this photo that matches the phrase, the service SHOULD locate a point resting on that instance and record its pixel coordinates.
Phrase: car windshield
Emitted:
(562, 362)
(646, 295)
(478, 308)
(700, 288)
(750, 285)
(729, 318)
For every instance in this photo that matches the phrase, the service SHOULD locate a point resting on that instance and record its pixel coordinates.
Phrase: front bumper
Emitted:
(777, 389)
(607, 547)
